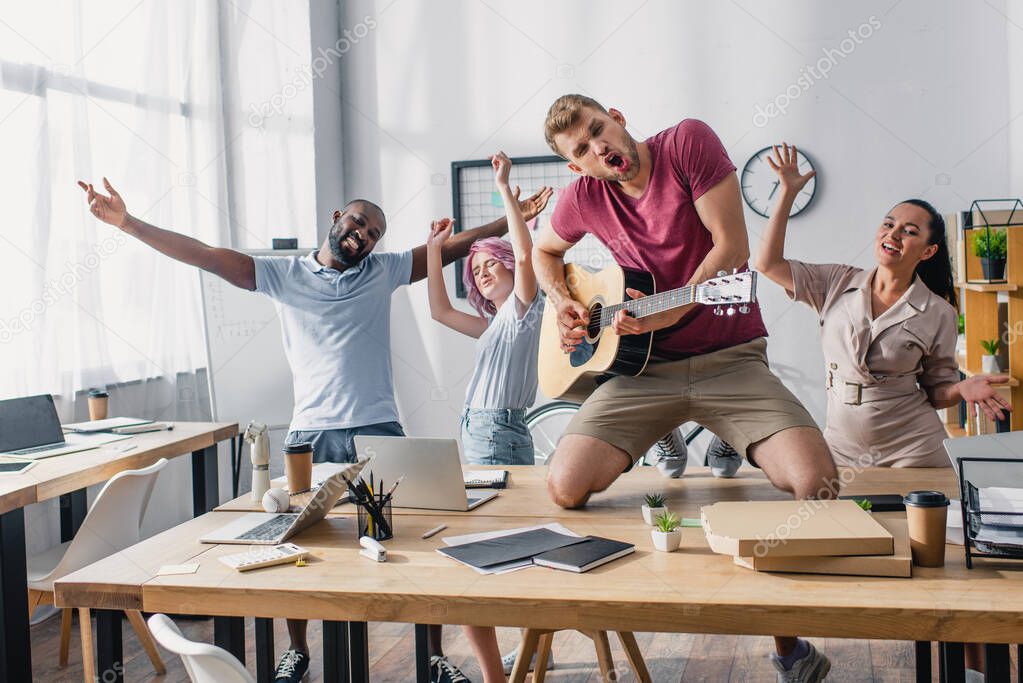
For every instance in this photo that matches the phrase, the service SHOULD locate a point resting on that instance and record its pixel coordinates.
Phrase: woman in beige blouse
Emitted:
(888, 334)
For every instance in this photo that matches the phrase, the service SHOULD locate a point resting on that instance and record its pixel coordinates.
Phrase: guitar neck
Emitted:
(650, 305)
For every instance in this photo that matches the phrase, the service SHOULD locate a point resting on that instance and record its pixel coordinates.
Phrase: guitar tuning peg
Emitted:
(721, 273)
(730, 310)
(744, 309)
(734, 271)
(718, 311)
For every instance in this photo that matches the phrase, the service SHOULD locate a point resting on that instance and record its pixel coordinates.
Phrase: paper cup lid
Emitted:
(926, 499)
(300, 447)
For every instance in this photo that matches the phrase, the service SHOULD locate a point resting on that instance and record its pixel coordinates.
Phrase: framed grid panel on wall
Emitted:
(476, 202)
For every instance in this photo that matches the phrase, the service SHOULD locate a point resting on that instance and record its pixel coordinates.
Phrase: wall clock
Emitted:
(760, 184)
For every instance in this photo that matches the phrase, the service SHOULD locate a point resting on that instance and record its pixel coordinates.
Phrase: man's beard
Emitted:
(335, 239)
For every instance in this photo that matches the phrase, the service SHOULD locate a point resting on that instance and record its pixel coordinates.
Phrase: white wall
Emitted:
(919, 108)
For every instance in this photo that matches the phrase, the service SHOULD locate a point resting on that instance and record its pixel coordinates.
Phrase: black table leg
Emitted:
(15, 654)
(358, 651)
(73, 507)
(265, 665)
(923, 661)
(336, 663)
(109, 656)
(953, 663)
(996, 663)
(236, 463)
(229, 633)
(205, 481)
(422, 654)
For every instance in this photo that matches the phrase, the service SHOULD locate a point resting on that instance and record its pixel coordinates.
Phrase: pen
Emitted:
(435, 530)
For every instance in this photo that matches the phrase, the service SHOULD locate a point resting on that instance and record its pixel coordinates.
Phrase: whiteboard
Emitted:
(249, 376)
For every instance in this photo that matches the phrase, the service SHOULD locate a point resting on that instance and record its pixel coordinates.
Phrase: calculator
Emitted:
(265, 557)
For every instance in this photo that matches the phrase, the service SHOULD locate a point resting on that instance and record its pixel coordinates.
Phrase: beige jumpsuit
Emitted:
(877, 369)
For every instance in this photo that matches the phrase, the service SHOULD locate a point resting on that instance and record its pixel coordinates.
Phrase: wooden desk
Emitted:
(66, 477)
(526, 495)
(692, 590)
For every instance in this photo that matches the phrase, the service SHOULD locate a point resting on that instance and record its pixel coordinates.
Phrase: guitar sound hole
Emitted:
(588, 346)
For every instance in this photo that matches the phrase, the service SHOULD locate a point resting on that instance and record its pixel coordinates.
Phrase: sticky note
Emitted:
(172, 569)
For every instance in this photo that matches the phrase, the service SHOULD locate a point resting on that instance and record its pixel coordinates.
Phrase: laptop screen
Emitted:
(27, 422)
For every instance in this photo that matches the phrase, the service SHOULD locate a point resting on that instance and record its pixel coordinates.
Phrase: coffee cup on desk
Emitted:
(927, 514)
(98, 400)
(298, 466)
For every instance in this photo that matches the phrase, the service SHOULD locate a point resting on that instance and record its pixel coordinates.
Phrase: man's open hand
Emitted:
(532, 206)
(108, 209)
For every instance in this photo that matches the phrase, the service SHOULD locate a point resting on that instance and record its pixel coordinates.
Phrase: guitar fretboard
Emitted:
(649, 305)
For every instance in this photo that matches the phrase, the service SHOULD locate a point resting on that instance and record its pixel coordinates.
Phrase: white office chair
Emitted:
(204, 663)
(112, 525)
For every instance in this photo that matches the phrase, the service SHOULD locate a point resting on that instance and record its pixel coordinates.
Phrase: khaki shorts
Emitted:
(731, 392)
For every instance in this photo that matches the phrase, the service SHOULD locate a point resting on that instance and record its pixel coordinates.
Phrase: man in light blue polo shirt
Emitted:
(334, 305)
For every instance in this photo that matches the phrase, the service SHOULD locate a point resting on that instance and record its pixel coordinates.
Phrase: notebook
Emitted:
(505, 549)
(107, 425)
(485, 479)
(592, 552)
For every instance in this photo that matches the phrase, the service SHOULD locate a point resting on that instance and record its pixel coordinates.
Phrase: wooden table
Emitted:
(66, 477)
(692, 590)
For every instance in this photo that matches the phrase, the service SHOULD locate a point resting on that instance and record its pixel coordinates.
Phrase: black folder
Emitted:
(580, 557)
(505, 549)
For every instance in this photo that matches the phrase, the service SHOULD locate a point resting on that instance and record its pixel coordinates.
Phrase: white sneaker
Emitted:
(509, 661)
(722, 459)
(811, 668)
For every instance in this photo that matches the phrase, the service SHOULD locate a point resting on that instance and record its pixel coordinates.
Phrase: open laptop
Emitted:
(268, 528)
(1003, 445)
(431, 469)
(30, 428)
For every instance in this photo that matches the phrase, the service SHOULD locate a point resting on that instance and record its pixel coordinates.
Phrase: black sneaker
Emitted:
(293, 667)
(443, 671)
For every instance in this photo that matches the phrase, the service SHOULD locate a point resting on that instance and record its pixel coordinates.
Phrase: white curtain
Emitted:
(135, 90)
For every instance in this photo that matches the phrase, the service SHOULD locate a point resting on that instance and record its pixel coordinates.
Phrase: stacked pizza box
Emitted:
(810, 537)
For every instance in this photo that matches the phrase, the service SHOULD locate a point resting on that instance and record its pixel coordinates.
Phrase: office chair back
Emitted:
(113, 521)
(204, 663)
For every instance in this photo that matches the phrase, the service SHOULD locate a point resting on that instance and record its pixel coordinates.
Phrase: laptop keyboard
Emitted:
(270, 529)
(38, 449)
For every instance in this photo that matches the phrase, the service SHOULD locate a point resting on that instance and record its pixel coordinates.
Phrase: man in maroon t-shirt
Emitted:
(670, 205)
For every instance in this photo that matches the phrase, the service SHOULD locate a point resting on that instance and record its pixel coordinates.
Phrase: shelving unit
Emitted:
(980, 300)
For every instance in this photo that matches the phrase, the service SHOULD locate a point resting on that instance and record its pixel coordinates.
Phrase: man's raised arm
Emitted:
(237, 268)
(457, 246)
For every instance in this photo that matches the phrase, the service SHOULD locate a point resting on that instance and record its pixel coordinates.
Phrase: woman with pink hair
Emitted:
(502, 288)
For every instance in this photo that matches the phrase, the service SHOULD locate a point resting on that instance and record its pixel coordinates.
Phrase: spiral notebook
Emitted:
(485, 479)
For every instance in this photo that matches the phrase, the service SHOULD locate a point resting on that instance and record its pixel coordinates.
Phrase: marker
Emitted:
(435, 530)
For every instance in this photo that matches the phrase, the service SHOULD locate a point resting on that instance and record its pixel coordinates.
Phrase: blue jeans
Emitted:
(496, 437)
(337, 445)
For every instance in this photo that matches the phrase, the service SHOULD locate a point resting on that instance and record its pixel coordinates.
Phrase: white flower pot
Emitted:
(989, 364)
(666, 542)
(650, 514)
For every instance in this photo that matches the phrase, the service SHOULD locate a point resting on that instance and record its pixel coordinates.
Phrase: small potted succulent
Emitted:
(989, 361)
(990, 246)
(666, 533)
(653, 507)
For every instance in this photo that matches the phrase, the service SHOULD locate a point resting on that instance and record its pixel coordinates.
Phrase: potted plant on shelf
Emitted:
(989, 361)
(990, 246)
(666, 532)
(653, 507)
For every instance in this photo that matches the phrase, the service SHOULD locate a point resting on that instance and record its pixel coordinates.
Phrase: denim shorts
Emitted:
(496, 437)
(337, 445)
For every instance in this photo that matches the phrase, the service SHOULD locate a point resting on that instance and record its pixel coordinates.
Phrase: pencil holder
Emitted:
(375, 523)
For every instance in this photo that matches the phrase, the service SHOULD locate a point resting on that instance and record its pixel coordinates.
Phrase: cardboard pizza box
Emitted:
(793, 528)
(898, 565)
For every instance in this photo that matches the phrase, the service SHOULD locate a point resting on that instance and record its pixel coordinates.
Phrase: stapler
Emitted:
(372, 549)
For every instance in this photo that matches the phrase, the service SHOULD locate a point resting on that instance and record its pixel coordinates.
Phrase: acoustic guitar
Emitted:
(603, 353)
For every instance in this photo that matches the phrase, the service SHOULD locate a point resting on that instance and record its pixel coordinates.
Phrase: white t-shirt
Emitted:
(506, 354)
